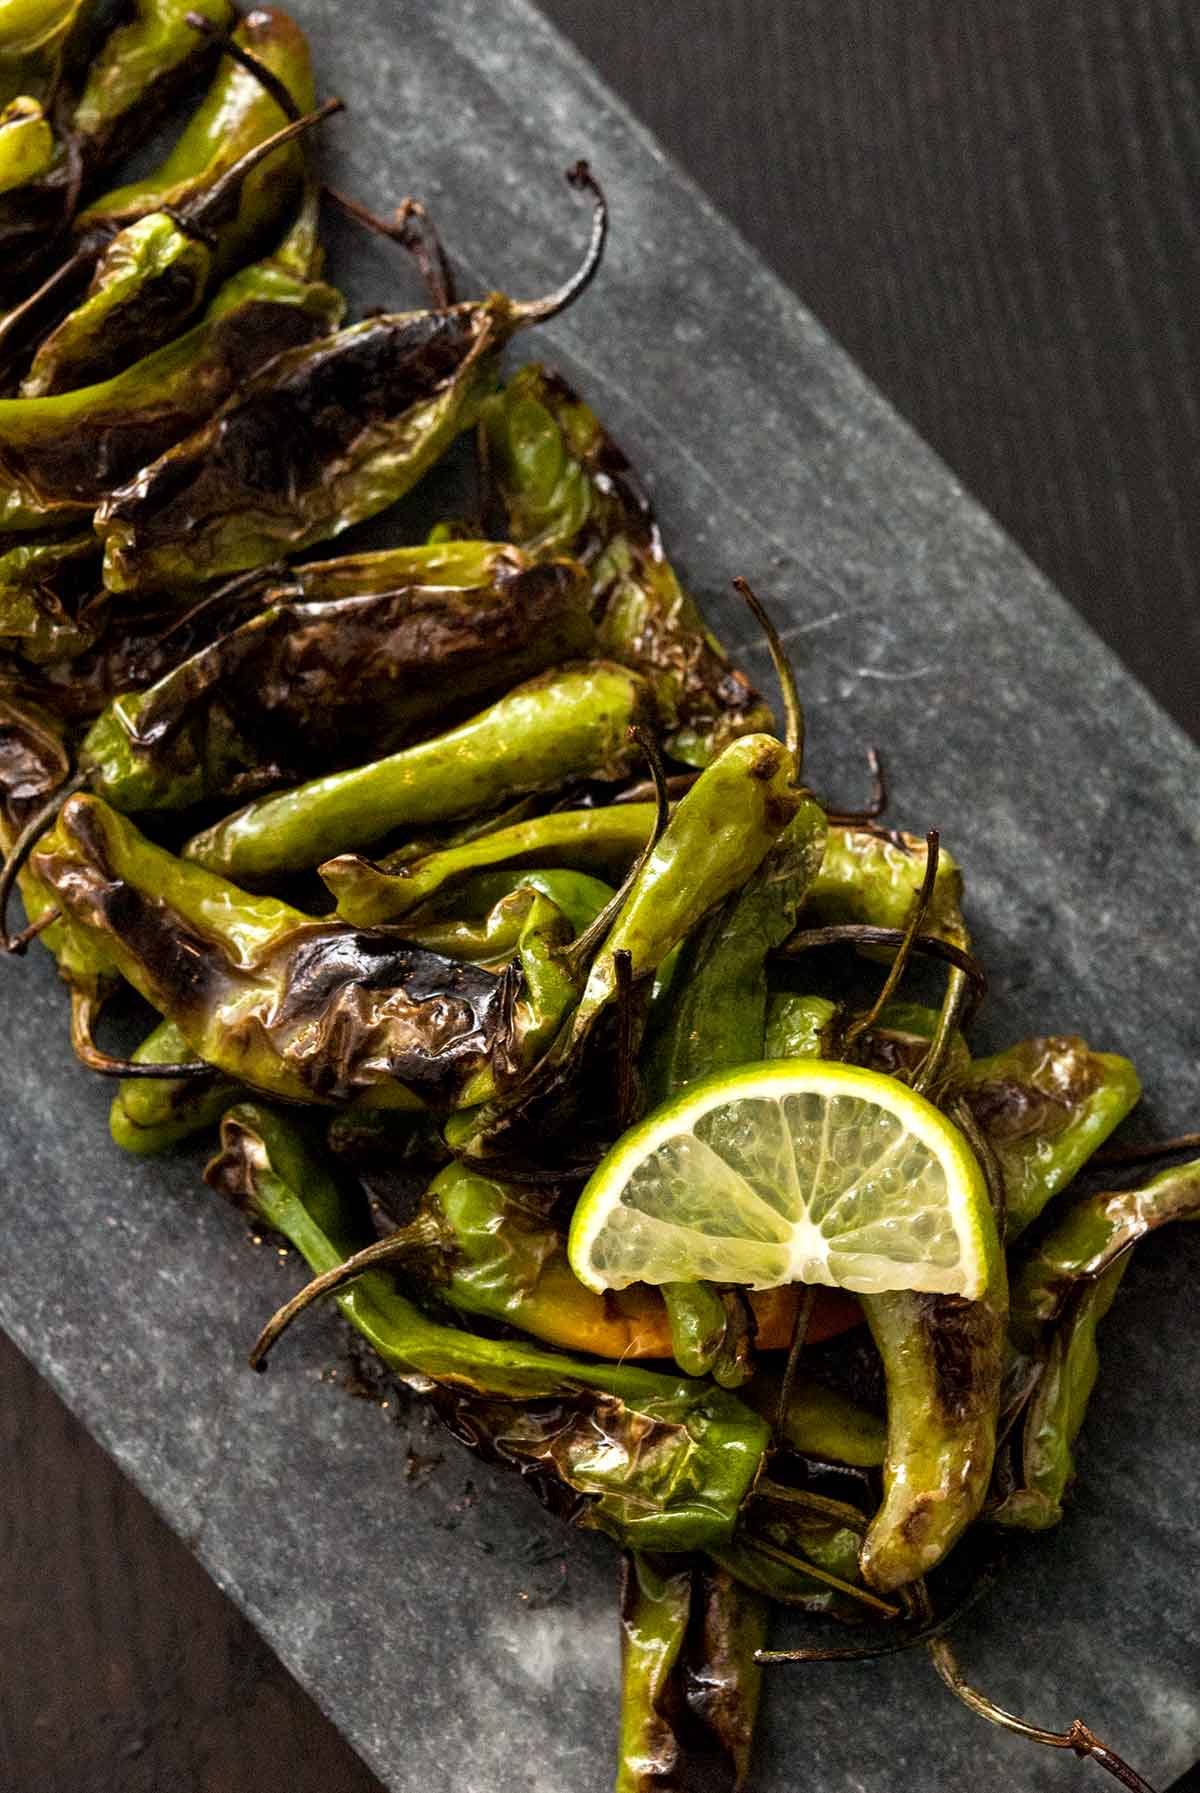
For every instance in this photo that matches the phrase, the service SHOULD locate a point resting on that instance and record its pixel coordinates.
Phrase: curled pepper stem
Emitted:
(583, 947)
(19, 852)
(950, 1019)
(424, 1234)
(194, 219)
(1079, 1738)
(875, 806)
(912, 929)
(414, 230)
(539, 311)
(860, 934)
(85, 1012)
(926, 1633)
(793, 713)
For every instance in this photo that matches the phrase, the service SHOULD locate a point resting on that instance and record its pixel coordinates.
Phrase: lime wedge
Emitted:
(790, 1171)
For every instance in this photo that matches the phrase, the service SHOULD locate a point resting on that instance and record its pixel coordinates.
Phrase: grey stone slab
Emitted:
(1067, 795)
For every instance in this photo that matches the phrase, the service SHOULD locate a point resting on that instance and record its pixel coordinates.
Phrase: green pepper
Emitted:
(571, 723)
(797, 1026)
(329, 436)
(26, 142)
(310, 1011)
(1056, 1409)
(568, 489)
(605, 842)
(34, 35)
(50, 606)
(303, 687)
(820, 1422)
(235, 116)
(484, 921)
(1045, 1106)
(875, 880)
(689, 1682)
(665, 1464)
(1090, 1236)
(128, 84)
(60, 455)
(151, 1114)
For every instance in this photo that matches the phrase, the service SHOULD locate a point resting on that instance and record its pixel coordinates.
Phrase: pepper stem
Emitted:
(19, 852)
(266, 77)
(790, 1560)
(793, 713)
(626, 1068)
(877, 802)
(1146, 1154)
(1079, 1738)
(853, 933)
(424, 1234)
(85, 1012)
(538, 311)
(413, 229)
(912, 928)
(800, 1324)
(194, 219)
(950, 1018)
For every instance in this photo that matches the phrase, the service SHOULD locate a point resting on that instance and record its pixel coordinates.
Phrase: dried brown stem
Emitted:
(793, 713)
(912, 929)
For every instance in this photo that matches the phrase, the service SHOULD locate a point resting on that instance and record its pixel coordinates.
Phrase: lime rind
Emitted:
(790, 1171)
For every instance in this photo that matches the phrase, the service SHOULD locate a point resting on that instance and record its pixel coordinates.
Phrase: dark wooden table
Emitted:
(993, 204)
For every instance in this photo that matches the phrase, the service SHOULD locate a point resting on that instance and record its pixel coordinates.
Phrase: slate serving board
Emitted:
(403, 1605)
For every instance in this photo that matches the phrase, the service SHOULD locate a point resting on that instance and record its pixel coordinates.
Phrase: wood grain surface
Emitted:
(993, 205)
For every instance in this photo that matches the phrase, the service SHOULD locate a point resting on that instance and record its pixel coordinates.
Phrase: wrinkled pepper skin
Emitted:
(570, 723)
(59, 456)
(656, 1607)
(50, 604)
(304, 687)
(1056, 1410)
(875, 880)
(1090, 1236)
(467, 564)
(665, 1464)
(601, 842)
(484, 923)
(797, 1026)
(300, 1009)
(148, 284)
(1046, 1105)
(330, 435)
(149, 1115)
(568, 489)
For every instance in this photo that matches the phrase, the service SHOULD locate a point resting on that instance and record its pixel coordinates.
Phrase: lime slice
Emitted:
(790, 1171)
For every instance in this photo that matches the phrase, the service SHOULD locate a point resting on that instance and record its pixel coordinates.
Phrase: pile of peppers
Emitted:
(437, 865)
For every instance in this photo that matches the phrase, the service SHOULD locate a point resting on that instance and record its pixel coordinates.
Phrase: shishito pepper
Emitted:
(149, 1115)
(874, 879)
(26, 142)
(661, 1463)
(307, 1010)
(128, 84)
(568, 489)
(332, 435)
(1046, 1105)
(306, 687)
(571, 723)
(50, 604)
(604, 842)
(60, 455)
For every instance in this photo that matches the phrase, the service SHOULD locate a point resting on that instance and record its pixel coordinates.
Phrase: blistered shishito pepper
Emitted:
(571, 723)
(332, 435)
(151, 279)
(126, 87)
(1045, 1106)
(149, 1115)
(60, 455)
(568, 489)
(306, 687)
(1090, 1236)
(663, 1463)
(875, 879)
(311, 1011)
(51, 607)
(690, 1683)
(483, 920)
(604, 842)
